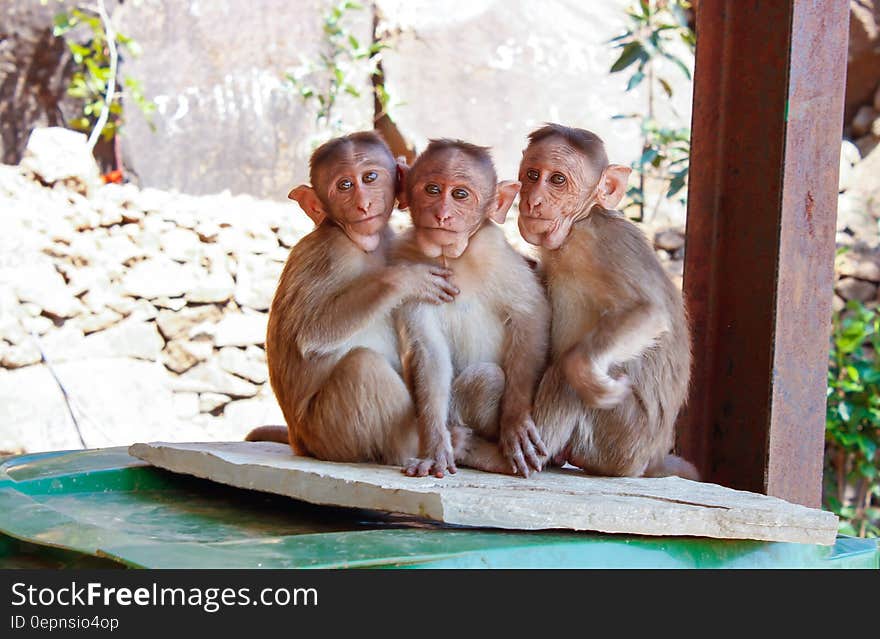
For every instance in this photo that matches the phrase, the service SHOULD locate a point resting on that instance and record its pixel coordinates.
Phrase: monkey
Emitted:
(620, 351)
(331, 346)
(472, 365)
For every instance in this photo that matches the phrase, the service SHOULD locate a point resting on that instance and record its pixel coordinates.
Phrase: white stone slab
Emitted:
(554, 499)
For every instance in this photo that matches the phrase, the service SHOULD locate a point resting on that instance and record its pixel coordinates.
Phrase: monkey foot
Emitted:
(422, 467)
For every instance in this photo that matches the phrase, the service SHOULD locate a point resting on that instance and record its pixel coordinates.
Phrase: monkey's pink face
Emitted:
(558, 187)
(359, 193)
(448, 203)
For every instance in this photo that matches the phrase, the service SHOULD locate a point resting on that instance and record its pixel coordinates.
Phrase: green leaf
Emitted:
(61, 23)
(354, 42)
(681, 65)
(630, 54)
(667, 89)
(635, 80)
(648, 156)
(677, 183)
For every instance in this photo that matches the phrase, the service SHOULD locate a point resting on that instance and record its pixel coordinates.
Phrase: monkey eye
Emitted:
(344, 184)
(460, 194)
(432, 189)
(370, 176)
(533, 175)
(557, 178)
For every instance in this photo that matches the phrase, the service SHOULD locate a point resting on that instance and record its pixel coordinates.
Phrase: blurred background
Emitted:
(148, 147)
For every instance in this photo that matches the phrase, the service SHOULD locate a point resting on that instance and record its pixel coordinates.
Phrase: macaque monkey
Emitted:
(331, 345)
(620, 345)
(473, 364)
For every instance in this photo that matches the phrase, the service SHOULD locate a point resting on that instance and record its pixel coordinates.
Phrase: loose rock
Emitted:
(158, 277)
(57, 154)
(850, 288)
(237, 362)
(239, 329)
(669, 240)
(210, 378)
(209, 402)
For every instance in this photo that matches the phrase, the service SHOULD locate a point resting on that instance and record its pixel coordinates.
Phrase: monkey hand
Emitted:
(522, 445)
(437, 459)
(423, 283)
(612, 392)
(595, 387)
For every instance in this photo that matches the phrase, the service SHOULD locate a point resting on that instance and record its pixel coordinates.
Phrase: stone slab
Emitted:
(555, 499)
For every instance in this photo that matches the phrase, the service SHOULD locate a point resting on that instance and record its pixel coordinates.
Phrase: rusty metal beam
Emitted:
(767, 120)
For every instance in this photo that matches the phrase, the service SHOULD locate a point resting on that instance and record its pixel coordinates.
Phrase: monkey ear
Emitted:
(506, 193)
(402, 174)
(612, 185)
(309, 202)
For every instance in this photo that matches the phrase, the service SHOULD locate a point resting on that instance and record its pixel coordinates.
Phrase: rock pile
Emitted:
(148, 308)
(858, 209)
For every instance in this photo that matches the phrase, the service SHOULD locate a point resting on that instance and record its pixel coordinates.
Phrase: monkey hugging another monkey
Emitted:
(443, 347)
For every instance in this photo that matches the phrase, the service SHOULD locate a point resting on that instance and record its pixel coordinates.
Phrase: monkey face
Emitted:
(450, 197)
(559, 186)
(358, 193)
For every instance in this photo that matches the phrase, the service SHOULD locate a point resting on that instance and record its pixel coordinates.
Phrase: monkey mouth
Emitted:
(437, 232)
(372, 222)
(538, 224)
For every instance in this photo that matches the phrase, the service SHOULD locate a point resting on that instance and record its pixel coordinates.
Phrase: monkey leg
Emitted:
(474, 418)
(363, 413)
(622, 442)
(560, 415)
(476, 399)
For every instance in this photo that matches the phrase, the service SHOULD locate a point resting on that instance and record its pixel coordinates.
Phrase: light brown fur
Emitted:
(473, 364)
(331, 346)
(606, 287)
(620, 344)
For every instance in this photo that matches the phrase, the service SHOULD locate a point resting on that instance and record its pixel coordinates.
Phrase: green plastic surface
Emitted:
(101, 508)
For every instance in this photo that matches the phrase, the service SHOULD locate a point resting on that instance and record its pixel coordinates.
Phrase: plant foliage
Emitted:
(654, 25)
(334, 74)
(852, 489)
(90, 79)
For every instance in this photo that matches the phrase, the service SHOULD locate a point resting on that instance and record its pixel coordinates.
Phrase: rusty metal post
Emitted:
(767, 121)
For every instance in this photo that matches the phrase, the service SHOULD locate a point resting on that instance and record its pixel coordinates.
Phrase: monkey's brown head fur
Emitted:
(451, 190)
(354, 180)
(565, 173)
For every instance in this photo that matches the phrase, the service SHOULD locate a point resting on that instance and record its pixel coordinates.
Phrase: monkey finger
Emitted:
(520, 464)
(447, 287)
(427, 467)
(530, 455)
(536, 440)
(444, 284)
(441, 271)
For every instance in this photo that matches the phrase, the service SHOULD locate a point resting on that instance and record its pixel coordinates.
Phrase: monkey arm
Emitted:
(427, 363)
(618, 336)
(524, 360)
(524, 357)
(334, 319)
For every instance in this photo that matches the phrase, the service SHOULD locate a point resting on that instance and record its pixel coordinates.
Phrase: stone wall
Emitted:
(226, 117)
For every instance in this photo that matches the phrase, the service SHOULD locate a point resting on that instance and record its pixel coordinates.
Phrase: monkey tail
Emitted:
(673, 465)
(269, 434)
